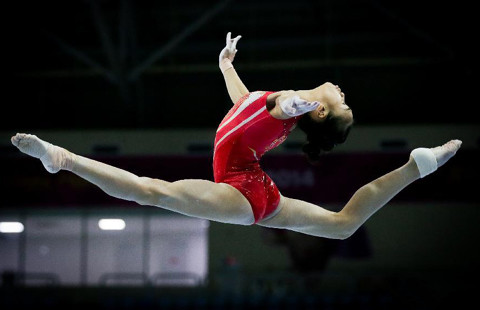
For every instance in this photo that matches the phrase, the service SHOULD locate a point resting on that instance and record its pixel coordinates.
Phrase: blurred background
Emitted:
(136, 84)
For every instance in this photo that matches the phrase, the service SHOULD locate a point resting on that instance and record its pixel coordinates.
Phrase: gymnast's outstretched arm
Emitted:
(235, 87)
(288, 103)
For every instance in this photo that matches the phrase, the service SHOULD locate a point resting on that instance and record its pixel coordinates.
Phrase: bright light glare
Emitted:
(11, 227)
(111, 224)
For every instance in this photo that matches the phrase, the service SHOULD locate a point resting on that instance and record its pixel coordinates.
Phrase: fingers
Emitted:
(307, 107)
(313, 105)
(229, 40)
(302, 102)
(304, 105)
(234, 43)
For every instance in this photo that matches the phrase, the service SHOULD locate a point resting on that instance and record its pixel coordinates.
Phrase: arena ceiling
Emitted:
(82, 64)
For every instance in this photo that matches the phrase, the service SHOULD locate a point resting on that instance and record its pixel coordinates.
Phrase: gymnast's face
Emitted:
(332, 102)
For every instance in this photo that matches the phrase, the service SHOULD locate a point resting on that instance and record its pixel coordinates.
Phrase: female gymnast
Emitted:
(242, 192)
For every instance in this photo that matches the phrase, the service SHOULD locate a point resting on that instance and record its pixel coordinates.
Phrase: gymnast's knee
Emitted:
(151, 192)
(347, 226)
(343, 234)
(343, 228)
(338, 226)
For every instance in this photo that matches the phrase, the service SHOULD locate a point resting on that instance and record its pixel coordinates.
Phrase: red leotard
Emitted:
(246, 133)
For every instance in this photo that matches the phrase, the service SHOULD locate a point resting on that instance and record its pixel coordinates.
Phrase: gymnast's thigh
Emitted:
(206, 199)
(302, 216)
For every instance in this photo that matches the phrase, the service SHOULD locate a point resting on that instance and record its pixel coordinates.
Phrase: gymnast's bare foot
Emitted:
(444, 152)
(53, 158)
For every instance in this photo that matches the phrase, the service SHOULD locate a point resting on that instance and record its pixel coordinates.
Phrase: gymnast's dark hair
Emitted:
(322, 137)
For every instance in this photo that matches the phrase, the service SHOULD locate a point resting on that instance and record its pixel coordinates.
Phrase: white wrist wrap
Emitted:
(225, 64)
(425, 159)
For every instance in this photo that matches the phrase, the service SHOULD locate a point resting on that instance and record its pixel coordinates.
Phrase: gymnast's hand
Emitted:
(295, 106)
(230, 49)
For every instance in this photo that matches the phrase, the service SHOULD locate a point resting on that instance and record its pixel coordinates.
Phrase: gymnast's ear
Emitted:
(321, 112)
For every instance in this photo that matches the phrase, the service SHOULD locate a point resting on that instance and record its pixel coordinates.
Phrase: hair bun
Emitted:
(312, 151)
(325, 143)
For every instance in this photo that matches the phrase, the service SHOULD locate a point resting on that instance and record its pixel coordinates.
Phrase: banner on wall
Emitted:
(333, 181)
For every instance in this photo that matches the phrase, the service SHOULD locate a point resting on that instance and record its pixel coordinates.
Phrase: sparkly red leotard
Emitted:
(246, 133)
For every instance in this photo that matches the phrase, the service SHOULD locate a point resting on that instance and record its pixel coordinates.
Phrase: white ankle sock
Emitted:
(425, 159)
